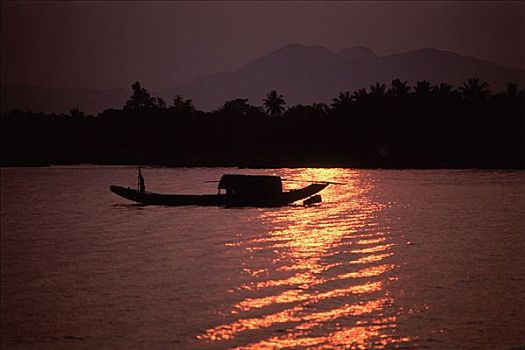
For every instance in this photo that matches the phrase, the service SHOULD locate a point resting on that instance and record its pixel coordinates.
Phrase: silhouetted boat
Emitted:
(240, 191)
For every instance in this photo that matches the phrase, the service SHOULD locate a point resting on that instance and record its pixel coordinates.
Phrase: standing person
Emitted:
(142, 187)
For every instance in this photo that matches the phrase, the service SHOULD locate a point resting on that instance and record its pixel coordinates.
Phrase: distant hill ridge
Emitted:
(303, 74)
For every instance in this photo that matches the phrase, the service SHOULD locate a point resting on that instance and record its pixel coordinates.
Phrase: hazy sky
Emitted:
(107, 45)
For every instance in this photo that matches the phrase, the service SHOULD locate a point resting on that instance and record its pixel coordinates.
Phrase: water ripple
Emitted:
(328, 269)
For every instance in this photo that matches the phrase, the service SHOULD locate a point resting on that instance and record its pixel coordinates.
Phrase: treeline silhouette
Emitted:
(396, 126)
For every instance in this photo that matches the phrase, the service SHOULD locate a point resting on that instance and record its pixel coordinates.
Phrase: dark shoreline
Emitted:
(433, 127)
(273, 165)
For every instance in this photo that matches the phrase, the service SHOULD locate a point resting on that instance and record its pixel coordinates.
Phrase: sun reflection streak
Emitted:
(374, 249)
(371, 258)
(297, 295)
(322, 256)
(300, 279)
(292, 315)
(371, 241)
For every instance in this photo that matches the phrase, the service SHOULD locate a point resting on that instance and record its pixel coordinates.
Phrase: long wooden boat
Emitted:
(240, 191)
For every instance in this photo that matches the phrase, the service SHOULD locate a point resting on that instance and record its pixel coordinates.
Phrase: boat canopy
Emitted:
(251, 184)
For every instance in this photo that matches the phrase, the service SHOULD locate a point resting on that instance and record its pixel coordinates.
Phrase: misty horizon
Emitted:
(242, 65)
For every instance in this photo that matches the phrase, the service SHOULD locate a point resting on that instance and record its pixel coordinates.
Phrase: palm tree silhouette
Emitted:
(399, 88)
(443, 89)
(273, 104)
(511, 89)
(423, 88)
(377, 90)
(360, 95)
(344, 100)
(474, 89)
(320, 107)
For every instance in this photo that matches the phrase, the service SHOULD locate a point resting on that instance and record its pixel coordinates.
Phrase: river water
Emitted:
(390, 259)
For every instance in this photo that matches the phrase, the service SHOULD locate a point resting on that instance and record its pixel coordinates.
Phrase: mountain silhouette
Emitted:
(302, 74)
(307, 74)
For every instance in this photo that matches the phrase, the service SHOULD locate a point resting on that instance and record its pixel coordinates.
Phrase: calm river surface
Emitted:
(390, 259)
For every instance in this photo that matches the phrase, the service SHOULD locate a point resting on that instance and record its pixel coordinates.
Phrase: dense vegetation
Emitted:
(398, 126)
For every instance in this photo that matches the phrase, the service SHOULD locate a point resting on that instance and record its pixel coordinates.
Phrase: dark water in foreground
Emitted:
(408, 259)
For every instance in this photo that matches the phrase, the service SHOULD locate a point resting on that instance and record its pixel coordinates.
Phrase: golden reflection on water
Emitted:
(324, 285)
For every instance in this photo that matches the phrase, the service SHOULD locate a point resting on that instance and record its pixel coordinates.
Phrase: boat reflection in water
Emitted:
(319, 278)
